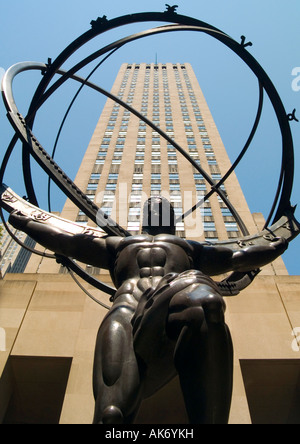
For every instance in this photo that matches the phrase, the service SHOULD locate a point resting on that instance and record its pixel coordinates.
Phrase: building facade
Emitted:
(51, 327)
(14, 258)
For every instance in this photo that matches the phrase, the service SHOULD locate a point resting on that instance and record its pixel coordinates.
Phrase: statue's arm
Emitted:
(214, 260)
(255, 257)
(82, 247)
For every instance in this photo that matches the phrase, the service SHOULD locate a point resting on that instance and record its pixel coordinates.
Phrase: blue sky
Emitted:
(34, 30)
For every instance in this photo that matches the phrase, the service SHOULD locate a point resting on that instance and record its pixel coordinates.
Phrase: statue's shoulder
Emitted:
(113, 242)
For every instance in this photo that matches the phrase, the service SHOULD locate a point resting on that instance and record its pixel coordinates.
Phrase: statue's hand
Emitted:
(258, 256)
(280, 244)
(18, 220)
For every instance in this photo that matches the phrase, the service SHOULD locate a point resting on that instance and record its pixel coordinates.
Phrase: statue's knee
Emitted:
(112, 415)
(214, 308)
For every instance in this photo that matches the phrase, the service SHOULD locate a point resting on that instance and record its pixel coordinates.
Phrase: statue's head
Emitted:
(158, 217)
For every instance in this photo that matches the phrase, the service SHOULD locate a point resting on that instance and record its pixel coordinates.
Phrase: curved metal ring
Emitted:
(286, 179)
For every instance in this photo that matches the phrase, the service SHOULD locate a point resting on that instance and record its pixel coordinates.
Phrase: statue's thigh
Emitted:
(193, 305)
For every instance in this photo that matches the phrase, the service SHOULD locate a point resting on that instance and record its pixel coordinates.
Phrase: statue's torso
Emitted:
(142, 261)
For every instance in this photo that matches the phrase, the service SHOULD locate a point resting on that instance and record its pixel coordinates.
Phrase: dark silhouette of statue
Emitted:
(167, 316)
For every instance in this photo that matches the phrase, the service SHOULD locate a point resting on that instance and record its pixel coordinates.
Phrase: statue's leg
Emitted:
(204, 353)
(116, 377)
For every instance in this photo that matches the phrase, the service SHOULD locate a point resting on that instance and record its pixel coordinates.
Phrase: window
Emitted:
(226, 212)
(95, 176)
(209, 226)
(180, 226)
(135, 198)
(191, 140)
(155, 187)
(134, 211)
(206, 211)
(210, 238)
(200, 187)
(111, 186)
(108, 197)
(176, 199)
(118, 153)
(231, 226)
(155, 176)
(137, 187)
(133, 226)
(113, 176)
(92, 186)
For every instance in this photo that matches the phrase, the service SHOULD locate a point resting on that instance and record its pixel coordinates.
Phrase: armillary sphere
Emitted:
(281, 215)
